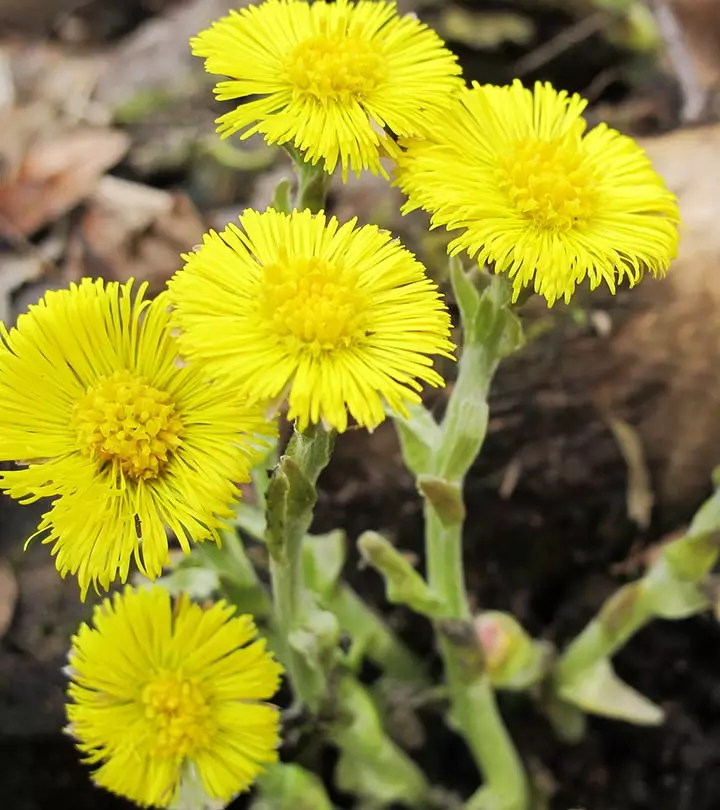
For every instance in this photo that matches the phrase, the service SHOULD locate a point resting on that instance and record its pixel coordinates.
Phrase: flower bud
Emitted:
(512, 658)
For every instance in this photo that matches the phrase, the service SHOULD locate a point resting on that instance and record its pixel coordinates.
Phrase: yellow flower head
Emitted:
(537, 196)
(327, 77)
(337, 318)
(124, 441)
(162, 695)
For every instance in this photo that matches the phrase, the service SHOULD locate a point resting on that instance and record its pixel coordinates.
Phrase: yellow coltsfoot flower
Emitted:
(124, 441)
(336, 318)
(160, 695)
(537, 196)
(328, 77)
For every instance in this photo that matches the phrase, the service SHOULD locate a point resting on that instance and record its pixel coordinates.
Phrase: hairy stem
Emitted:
(487, 322)
(291, 499)
(473, 705)
(313, 182)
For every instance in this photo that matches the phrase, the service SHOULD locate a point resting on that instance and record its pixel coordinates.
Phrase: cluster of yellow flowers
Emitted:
(534, 194)
(135, 417)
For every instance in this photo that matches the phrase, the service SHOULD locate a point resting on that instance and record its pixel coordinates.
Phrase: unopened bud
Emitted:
(495, 640)
(512, 658)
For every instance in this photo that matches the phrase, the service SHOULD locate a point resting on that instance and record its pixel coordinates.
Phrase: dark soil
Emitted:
(549, 558)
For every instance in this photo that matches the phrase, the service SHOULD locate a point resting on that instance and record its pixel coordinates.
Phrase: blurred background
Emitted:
(605, 429)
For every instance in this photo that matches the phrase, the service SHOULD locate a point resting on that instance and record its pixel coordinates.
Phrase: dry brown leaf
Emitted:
(133, 206)
(19, 127)
(133, 231)
(700, 24)
(156, 58)
(59, 78)
(640, 497)
(672, 341)
(689, 161)
(15, 271)
(56, 173)
(8, 596)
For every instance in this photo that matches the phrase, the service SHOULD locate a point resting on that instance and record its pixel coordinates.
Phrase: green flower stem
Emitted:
(312, 191)
(490, 330)
(313, 182)
(287, 590)
(506, 785)
(473, 705)
(445, 569)
(670, 589)
(291, 498)
(370, 634)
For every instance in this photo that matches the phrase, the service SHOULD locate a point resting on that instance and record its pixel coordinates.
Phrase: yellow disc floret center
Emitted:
(179, 715)
(124, 421)
(313, 305)
(341, 67)
(549, 183)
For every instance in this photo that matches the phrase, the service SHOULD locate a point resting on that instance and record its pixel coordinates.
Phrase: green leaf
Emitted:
(466, 293)
(302, 496)
(370, 764)
(277, 516)
(316, 640)
(677, 599)
(568, 722)
(598, 690)
(490, 324)
(281, 199)
(323, 559)
(291, 493)
(286, 786)
(513, 335)
(290, 500)
(464, 431)
(403, 584)
(251, 520)
(690, 558)
(484, 30)
(312, 449)
(419, 437)
(195, 581)
(707, 518)
(444, 497)
(238, 579)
